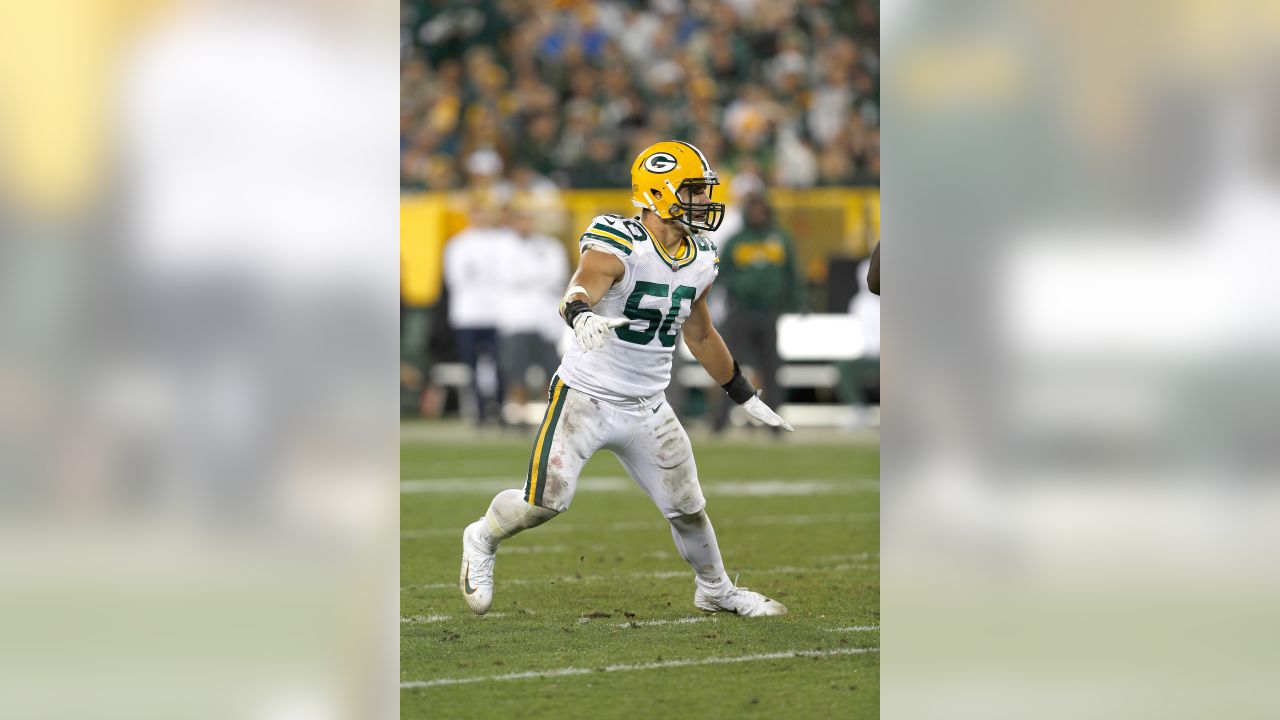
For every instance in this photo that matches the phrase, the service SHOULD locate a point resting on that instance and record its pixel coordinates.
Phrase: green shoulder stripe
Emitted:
(611, 231)
(612, 242)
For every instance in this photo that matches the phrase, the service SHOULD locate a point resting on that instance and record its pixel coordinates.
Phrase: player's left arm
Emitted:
(873, 272)
(706, 344)
(711, 352)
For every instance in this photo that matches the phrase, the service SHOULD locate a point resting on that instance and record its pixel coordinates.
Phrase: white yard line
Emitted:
(562, 526)
(659, 575)
(800, 519)
(421, 619)
(676, 621)
(847, 557)
(782, 486)
(855, 628)
(568, 671)
(413, 619)
(531, 549)
(562, 579)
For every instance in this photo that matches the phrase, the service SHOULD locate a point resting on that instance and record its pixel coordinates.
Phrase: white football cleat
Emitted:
(739, 601)
(476, 580)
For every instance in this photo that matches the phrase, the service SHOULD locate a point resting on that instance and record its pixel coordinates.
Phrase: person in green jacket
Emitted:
(758, 274)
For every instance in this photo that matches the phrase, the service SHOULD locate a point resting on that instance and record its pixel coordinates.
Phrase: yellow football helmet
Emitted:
(677, 171)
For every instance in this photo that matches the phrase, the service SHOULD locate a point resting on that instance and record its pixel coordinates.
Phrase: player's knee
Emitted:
(697, 519)
(687, 504)
(510, 513)
(681, 492)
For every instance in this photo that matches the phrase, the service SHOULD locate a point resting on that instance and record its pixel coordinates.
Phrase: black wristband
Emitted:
(738, 387)
(573, 309)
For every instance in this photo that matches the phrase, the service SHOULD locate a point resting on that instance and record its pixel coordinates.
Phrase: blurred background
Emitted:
(198, 233)
(1080, 509)
(519, 121)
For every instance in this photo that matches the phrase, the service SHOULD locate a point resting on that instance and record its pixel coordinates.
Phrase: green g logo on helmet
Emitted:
(660, 163)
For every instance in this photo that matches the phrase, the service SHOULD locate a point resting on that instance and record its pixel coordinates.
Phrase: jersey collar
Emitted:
(690, 250)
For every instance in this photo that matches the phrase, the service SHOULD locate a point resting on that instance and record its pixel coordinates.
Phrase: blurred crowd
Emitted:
(565, 92)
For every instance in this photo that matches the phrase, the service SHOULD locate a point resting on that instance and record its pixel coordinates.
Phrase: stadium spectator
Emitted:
(474, 279)
(758, 273)
(832, 103)
(600, 167)
(797, 166)
(538, 145)
(547, 83)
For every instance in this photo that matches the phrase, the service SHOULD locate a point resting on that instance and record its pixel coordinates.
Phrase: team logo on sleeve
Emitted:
(660, 162)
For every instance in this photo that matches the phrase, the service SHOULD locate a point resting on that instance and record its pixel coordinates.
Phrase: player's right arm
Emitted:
(596, 273)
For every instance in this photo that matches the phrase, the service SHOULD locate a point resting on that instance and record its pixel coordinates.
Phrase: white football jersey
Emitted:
(656, 293)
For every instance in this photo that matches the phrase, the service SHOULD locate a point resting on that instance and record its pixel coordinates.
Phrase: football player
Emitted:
(873, 272)
(640, 284)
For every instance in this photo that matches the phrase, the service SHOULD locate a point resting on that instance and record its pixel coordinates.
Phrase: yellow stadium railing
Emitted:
(825, 222)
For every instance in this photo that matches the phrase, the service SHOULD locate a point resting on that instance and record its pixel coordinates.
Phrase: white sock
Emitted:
(696, 543)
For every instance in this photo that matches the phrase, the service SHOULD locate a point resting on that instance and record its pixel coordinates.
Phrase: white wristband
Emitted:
(574, 291)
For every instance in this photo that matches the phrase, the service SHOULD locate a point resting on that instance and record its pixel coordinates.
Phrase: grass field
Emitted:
(593, 613)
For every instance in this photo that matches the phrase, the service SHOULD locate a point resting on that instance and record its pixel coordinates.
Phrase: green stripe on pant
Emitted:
(537, 475)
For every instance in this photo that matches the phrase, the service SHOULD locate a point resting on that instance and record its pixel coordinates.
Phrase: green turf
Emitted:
(589, 580)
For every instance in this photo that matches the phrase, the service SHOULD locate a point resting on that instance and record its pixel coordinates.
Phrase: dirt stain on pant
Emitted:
(682, 489)
(673, 446)
(673, 454)
(556, 495)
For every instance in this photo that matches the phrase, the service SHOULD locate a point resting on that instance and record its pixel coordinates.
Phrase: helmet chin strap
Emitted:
(685, 228)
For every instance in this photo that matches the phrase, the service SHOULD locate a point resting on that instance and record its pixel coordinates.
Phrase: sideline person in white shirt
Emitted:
(535, 271)
(474, 277)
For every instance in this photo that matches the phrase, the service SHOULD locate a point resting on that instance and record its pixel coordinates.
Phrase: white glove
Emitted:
(762, 414)
(590, 328)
